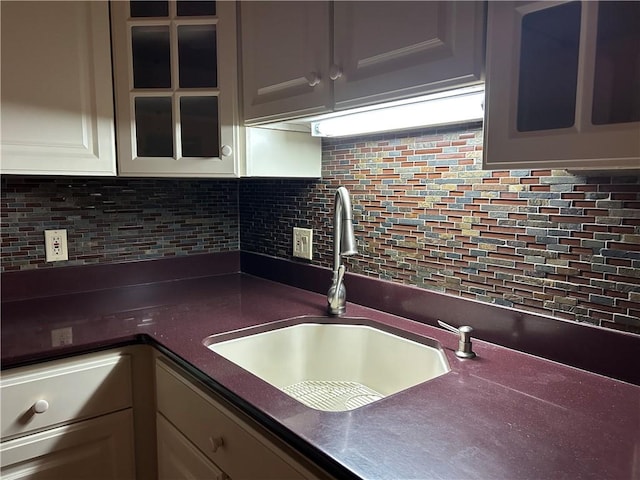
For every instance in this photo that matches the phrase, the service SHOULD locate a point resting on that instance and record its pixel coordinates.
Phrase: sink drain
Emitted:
(332, 396)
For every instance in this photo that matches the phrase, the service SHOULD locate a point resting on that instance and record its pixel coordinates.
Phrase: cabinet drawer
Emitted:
(77, 388)
(228, 441)
(100, 448)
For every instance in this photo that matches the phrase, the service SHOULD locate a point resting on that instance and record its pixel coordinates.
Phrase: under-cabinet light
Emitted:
(446, 108)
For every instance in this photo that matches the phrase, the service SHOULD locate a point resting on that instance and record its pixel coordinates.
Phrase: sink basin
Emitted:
(333, 366)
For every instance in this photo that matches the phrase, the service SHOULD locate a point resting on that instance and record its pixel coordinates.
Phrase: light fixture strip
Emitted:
(457, 106)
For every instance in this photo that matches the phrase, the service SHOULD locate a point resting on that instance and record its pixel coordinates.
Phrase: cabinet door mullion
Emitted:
(586, 66)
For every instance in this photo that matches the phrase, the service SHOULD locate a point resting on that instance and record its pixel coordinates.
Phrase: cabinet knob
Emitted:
(41, 406)
(313, 79)
(335, 72)
(226, 150)
(216, 443)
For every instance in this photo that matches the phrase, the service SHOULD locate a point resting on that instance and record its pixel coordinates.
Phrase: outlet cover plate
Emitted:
(55, 245)
(303, 243)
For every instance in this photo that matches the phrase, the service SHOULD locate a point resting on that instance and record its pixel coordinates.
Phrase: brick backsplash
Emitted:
(111, 220)
(426, 214)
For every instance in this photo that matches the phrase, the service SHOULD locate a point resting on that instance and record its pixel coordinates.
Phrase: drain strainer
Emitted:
(332, 396)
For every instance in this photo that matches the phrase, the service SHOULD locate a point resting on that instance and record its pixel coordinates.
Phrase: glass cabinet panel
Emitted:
(195, 8)
(564, 80)
(548, 74)
(616, 90)
(150, 8)
(151, 57)
(154, 127)
(156, 49)
(197, 59)
(199, 126)
(172, 117)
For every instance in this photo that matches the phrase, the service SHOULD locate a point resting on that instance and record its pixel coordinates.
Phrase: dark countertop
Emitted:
(503, 415)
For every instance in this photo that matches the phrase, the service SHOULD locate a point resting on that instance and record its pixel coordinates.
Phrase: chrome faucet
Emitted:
(344, 244)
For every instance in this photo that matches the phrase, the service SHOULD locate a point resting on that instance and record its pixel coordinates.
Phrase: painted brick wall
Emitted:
(427, 215)
(110, 220)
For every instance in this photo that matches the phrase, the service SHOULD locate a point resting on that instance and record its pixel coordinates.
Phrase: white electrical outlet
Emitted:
(55, 245)
(303, 243)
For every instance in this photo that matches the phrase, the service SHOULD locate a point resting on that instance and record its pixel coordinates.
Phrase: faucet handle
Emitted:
(465, 349)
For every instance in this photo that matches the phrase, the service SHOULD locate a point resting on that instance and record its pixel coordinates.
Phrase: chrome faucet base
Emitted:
(461, 354)
(337, 296)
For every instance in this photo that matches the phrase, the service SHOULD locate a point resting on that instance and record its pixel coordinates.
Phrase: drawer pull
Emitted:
(41, 406)
(216, 443)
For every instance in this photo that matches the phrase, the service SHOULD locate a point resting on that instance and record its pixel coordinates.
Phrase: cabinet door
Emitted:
(390, 50)
(176, 88)
(285, 59)
(56, 100)
(226, 439)
(179, 458)
(101, 448)
(563, 85)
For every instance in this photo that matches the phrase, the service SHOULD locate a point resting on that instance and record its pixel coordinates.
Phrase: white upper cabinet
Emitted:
(385, 50)
(176, 88)
(56, 100)
(303, 58)
(563, 85)
(285, 56)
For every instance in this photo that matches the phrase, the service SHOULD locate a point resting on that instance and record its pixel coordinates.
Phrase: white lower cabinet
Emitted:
(237, 446)
(97, 416)
(69, 418)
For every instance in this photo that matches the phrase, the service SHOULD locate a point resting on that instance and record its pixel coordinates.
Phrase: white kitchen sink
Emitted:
(333, 366)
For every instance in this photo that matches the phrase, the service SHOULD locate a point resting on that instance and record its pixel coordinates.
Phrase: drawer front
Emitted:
(96, 449)
(233, 446)
(51, 393)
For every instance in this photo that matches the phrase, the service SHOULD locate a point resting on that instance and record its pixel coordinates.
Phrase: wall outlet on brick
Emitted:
(303, 243)
(55, 242)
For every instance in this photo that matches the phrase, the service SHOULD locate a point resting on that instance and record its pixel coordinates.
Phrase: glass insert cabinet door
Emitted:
(563, 85)
(550, 42)
(176, 100)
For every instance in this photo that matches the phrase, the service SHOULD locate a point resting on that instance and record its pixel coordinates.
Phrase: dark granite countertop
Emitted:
(503, 415)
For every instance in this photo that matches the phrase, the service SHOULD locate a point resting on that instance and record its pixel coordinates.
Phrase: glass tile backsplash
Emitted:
(425, 214)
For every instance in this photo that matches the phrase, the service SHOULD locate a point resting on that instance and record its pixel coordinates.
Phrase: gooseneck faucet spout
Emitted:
(344, 244)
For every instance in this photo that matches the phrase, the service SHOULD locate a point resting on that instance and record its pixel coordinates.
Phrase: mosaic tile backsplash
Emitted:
(426, 214)
(110, 220)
